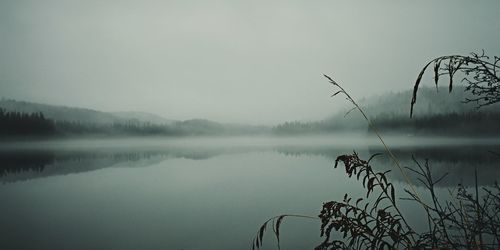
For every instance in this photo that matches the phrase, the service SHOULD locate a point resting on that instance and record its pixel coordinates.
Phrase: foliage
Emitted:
(365, 225)
(481, 76)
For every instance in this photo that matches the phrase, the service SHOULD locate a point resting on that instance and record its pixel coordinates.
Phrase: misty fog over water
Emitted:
(186, 125)
(197, 193)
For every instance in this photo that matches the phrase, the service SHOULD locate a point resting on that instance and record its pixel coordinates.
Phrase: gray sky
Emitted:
(258, 61)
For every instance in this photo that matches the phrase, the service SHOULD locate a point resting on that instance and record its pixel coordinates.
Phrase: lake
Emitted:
(200, 193)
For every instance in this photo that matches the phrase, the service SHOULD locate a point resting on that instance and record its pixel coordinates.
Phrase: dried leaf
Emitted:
(437, 64)
(277, 231)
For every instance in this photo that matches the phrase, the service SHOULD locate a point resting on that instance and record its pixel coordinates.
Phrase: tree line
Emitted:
(17, 123)
(466, 123)
(455, 123)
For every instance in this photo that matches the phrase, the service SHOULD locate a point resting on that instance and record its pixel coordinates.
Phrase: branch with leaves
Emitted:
(481, 77)
(362, 225)
(466, 222)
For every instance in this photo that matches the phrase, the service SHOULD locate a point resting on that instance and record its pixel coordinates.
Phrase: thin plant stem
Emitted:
(375, 130)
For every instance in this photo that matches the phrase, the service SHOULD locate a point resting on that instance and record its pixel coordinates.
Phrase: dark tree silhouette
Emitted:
(18, 124)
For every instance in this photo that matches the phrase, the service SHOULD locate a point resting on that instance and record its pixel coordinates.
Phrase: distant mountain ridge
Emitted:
(143, 117)
(83, 115)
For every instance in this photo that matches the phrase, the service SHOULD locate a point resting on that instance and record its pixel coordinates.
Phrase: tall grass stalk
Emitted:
(375, 130)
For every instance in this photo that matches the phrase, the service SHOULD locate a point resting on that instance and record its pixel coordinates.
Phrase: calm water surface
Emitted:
(200, 193)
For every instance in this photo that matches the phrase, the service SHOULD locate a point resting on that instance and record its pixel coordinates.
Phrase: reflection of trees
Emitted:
(29, 164)
(328, 152)
(459, 161)
(12, 163)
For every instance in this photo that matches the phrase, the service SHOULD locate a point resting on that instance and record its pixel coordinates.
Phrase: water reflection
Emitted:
(19, 165)
(198, 195)
(17, 162)
(457, 160)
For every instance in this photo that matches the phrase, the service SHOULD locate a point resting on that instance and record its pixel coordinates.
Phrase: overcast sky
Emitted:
(234, 61)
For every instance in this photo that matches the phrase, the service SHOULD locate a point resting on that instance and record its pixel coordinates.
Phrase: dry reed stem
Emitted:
(375, 130)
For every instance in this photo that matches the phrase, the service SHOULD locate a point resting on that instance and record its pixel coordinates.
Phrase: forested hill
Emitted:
(436, 112)
(431, 101)
(21, 119)
(79, 115)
